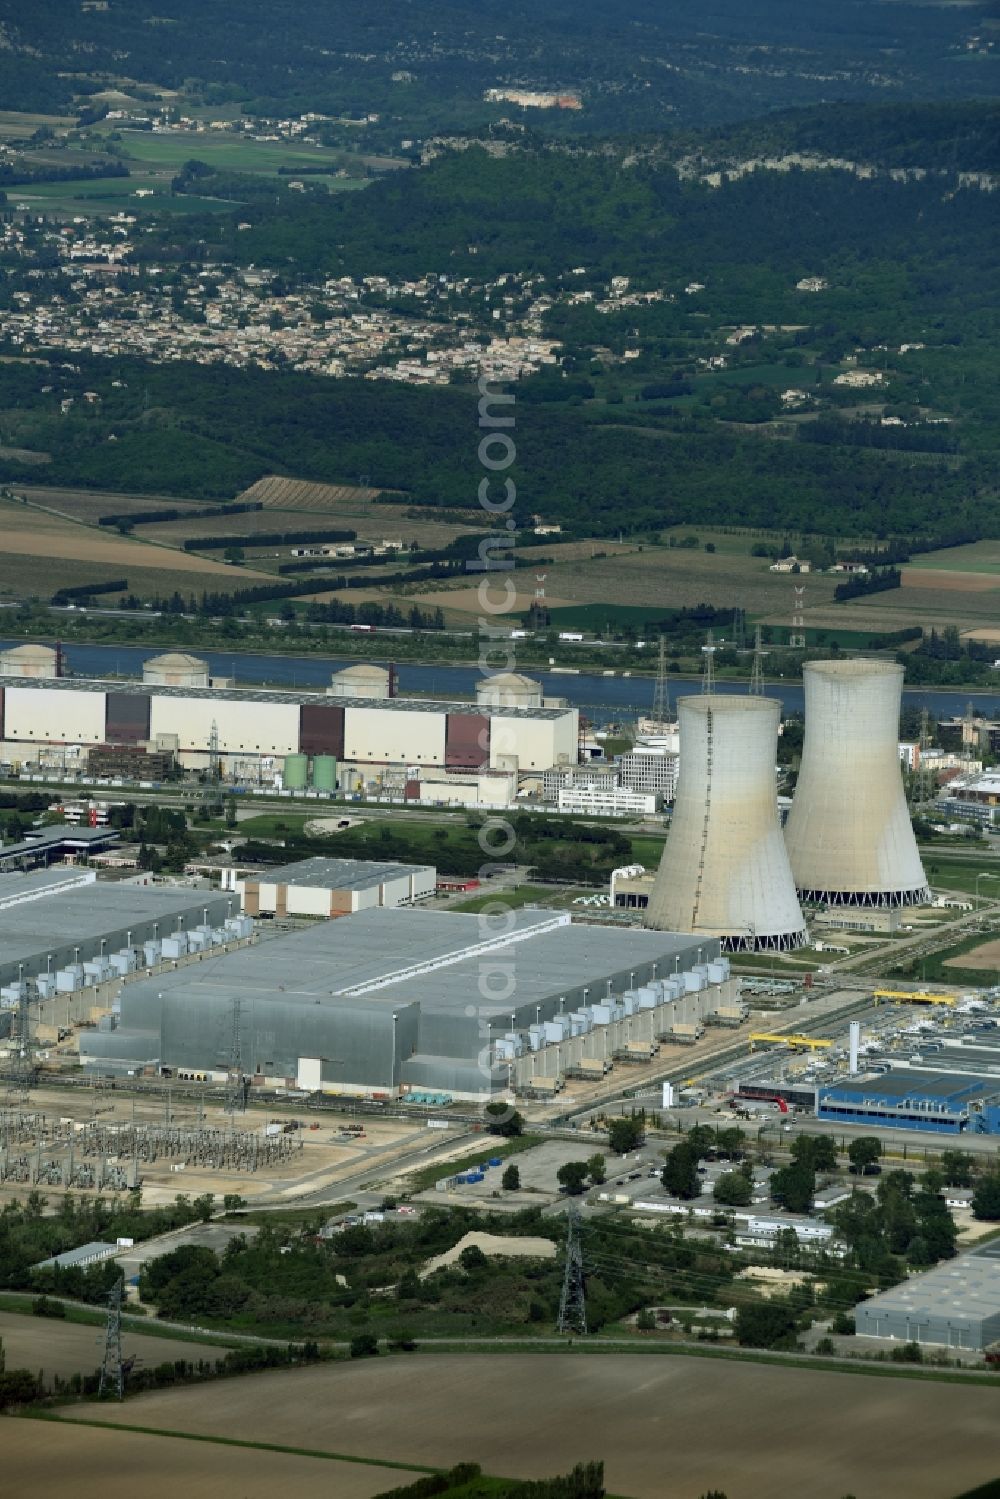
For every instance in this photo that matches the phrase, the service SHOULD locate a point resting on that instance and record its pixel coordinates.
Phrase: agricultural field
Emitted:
(15, 125)
(88, 505)
(662, 577)
(100, 1463)
(985, 957)
(52, 1346)
(166, 153)
(748, 1429)
(360, 508)
(33, 534)
(275, 492)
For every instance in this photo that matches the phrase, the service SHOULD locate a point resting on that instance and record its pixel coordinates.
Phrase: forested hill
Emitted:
(943, 137)
(206, 432)
(471, 213)
(636, 64)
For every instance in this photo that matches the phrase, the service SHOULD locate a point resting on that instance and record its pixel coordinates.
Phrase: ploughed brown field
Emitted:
(44, 1458)
(65, 1348)
(666, 1427)
(33, 533)
(986, 956)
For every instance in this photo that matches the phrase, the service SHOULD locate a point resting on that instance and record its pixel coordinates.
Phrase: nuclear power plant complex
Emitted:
(358, 732)
(725, 871)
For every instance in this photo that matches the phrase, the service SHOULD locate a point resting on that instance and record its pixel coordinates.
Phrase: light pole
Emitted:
(392, 1068)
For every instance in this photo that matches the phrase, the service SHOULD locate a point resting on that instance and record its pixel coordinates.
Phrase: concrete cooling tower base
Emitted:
(782, 942)
(919, 896)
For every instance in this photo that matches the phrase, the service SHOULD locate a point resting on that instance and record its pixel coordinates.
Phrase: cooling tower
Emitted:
(848, 833)
(724, 869)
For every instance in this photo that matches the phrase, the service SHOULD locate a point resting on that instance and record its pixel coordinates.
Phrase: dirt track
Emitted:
(667, 1427)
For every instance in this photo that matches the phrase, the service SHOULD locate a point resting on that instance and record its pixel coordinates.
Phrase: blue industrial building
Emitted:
(947, 1103)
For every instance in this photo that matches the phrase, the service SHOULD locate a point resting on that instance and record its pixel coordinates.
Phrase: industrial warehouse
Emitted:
(331, 887)
(954, 1305)
(393, 1001)
(61, 936)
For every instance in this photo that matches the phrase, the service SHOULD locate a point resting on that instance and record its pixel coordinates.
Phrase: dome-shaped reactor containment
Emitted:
(509, 689)
(175, 669)
(848, 834)
(724, 870)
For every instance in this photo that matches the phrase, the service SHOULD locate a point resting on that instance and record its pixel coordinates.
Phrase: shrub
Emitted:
(365, 1345)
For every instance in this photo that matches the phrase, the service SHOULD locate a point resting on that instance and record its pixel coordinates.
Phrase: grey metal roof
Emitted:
(84, 1254)
(439, 959)
(967, 1286)
(22, 886)
(337, 874)
(273, 695)
(91, 910)
(56, 833)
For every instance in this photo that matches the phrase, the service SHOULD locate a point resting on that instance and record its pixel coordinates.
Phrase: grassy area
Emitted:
(270, 824)
(424, 1178)
(290, 1217)
(959, 871)
(523, 895)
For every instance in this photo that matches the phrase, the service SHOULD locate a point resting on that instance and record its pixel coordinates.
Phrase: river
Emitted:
(601, 698)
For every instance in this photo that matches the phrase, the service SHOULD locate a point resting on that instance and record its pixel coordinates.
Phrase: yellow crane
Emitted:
(797, 1043)
(911, 997)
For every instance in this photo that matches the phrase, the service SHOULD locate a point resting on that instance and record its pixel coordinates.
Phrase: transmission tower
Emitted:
(572, 1303)
(112, 1366)
(708, 676)
(236, 1092)
(797, 638)
(661, 692)
(757, 670)
(23, 1071)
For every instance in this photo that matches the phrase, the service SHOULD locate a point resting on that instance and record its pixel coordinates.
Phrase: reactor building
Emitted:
(848, 834)
(724, 870)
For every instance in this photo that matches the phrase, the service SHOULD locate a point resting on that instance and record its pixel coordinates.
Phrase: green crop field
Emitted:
(228, 153)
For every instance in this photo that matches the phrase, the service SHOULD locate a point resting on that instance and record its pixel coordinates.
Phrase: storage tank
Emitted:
(295, 773)
(325, 773)
(724, 870)
(848, 834)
